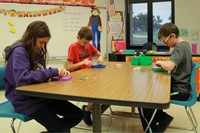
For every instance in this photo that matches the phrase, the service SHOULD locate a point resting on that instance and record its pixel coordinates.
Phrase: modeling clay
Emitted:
(99, 66)
(61, 79)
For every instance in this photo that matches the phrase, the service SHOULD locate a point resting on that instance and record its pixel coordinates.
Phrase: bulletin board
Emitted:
(64, 23)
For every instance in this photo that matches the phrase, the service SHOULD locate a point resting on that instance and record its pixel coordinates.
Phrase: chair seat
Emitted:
(7, 110)
(190, 102)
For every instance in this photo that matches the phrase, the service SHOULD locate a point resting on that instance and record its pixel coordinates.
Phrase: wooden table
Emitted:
(155, 57)
(117, 84)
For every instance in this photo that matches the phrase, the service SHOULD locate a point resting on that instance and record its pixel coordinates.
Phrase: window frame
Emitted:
(149, 19)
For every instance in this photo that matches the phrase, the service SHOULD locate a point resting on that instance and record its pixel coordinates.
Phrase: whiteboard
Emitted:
(64, 26)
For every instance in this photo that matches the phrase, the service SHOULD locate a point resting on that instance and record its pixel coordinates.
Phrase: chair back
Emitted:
(150, 46)
(193, 83)
(193, 97)
(2, 71)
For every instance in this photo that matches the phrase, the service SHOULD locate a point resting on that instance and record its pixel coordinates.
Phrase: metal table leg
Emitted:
(150, 120)
(96, 113)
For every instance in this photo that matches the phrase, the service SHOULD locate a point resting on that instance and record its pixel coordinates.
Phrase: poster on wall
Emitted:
(115, 23)
(184, 32)
(192, 36)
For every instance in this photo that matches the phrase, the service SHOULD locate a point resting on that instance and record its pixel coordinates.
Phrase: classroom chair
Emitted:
(150, 46)
(7, 110)
(2, 70)
(191, 101)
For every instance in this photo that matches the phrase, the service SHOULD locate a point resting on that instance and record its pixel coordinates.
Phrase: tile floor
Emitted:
(110, 124)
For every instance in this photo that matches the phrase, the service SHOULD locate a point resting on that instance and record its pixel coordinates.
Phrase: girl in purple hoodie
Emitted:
(26, 65)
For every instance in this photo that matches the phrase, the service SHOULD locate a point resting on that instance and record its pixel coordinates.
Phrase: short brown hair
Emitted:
(167, 29)
(86, 33)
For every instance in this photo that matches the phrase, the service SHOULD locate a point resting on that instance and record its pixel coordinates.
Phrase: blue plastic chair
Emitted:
(7, 110)
(2, 70)
(191, 101)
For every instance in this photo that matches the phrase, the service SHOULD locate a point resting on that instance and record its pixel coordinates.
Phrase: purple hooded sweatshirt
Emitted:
(18, 73)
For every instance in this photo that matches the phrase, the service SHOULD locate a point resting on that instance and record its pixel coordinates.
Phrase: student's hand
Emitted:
(87, 62)
(167, 65)
(100, 60)
(158, 63)
(63, 72)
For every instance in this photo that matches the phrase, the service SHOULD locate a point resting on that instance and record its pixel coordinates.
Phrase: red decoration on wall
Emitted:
(14, 13)
(54, 2)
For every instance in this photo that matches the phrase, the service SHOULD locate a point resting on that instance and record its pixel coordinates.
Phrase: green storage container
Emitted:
(135, 60)
(145, 60)
(141, 60)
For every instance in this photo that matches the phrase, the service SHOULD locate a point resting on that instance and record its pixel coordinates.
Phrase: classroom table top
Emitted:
(117, 84)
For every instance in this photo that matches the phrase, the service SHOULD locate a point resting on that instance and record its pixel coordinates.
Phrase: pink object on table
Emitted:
(61, 79)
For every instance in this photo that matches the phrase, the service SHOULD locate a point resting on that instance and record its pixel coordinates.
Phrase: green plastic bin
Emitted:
(135, 60)
(146, 60)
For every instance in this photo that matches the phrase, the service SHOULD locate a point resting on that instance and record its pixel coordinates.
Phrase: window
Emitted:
(144, 18)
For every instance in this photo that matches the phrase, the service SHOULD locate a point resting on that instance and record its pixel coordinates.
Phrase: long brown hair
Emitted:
(36, 29)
